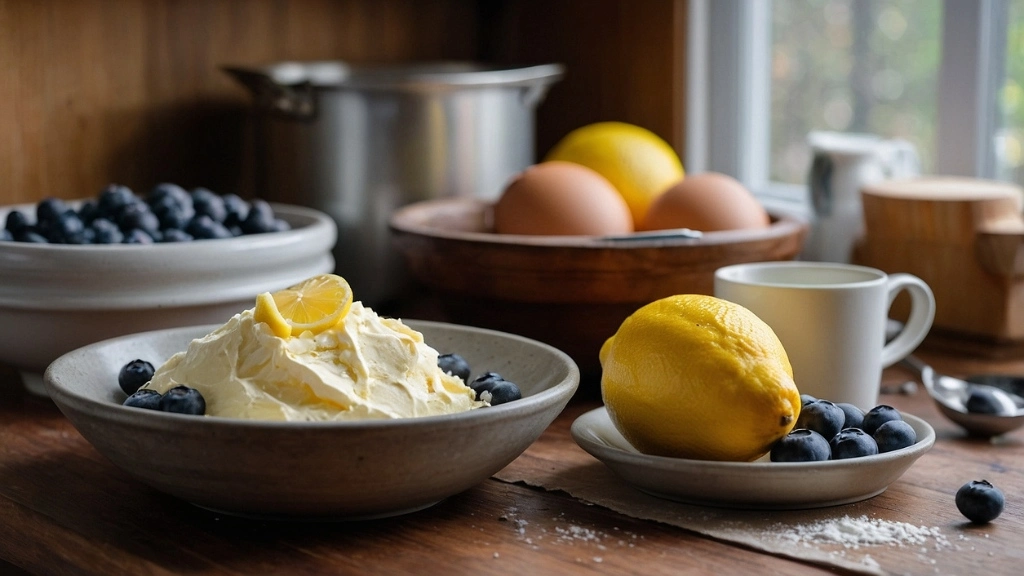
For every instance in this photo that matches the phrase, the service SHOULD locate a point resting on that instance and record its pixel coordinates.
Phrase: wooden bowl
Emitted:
(572, 292)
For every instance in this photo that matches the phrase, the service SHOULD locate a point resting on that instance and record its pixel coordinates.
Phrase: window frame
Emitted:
(729, 89)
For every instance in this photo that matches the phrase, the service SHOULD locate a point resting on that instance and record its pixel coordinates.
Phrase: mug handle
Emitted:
(922, 313)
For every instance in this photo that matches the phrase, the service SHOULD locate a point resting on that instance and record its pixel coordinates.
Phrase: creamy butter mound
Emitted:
(365, 367)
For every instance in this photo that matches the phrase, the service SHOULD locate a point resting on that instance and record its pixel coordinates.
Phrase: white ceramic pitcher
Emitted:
(843, 163)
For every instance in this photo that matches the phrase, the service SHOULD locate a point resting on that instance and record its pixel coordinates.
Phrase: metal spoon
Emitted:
(951, 394)
(1012, 384)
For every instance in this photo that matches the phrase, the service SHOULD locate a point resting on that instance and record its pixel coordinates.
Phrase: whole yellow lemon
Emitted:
(635, 160)
(694, 376)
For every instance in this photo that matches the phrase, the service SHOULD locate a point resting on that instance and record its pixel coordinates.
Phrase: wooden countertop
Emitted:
(64, 509)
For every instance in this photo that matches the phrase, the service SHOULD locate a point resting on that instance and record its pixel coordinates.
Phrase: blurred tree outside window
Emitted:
(945, 75)
(867, 66)
(1010, 136)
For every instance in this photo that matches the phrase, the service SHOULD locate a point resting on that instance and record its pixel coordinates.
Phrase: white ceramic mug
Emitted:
(831, 319)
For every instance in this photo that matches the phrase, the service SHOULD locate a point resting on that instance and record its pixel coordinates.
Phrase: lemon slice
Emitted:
(266, 311)
(315, 304)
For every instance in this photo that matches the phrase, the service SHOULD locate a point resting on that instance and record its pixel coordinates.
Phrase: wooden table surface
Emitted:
(64, 509)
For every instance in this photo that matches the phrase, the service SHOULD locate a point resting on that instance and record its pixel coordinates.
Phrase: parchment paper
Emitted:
(556, 463)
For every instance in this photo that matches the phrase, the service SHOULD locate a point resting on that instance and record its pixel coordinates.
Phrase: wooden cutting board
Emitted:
(964, 237)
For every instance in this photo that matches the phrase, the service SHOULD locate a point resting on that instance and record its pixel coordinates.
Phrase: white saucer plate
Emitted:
(758, 485)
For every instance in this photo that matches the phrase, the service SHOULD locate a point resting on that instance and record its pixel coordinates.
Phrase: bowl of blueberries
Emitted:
(79, 271)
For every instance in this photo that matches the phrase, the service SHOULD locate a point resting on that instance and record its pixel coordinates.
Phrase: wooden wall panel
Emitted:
(94, 91)
(625, 61)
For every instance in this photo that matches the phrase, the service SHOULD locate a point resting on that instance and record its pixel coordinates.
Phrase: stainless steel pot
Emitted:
(357, 142)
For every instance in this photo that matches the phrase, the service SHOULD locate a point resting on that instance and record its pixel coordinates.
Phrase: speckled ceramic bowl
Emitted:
(321, 470)
(55, 298)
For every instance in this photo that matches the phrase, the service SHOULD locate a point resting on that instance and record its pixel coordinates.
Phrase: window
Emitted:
(1010, 138)
(947, 75)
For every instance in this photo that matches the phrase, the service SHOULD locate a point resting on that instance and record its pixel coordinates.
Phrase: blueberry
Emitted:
(281, 226)
(806, 399)
(112, 199)
(204, 228)
(48, 212)
(236, 210)
(854, 415)
(982, 400)
(183, 400)
(209, 204)
(171, 204)
(137, 215)
(979, 501)
(172, 215)
(144, 398)
(492, 388)
(133, 375)
(260, 218)
(455, 365)
(852, 443)
(49, 209)
(172, 193)
(486, 378)
(88, 212)
(137, 237)
(500, 393)
(175, 235)
(105, 232)
(68, 228)
(893, 435)
(822, 416)
(879, 415)
(16, 222)
(801, 445)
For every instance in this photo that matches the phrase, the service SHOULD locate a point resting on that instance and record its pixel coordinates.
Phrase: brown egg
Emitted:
(706, 202)
(561, 199)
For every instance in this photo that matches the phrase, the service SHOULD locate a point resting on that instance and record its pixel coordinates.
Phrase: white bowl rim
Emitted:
(634, 457)
(24, 265)
(61, 394)
(318, 222)
(758, 485)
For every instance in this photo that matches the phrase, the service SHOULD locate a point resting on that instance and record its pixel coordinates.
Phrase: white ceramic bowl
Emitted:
(761, 485)
(55, 298)
(329, 470)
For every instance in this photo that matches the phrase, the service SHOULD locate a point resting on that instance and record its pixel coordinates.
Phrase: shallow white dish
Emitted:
(55, 298)
(749, 485)
(313, 470)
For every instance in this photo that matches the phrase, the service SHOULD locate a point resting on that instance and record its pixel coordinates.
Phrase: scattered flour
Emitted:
(862, 531)
(569, 535)
(841, 535)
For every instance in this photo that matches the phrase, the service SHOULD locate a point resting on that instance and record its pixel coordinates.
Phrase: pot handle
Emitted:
(532, 94)
(293, 101)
